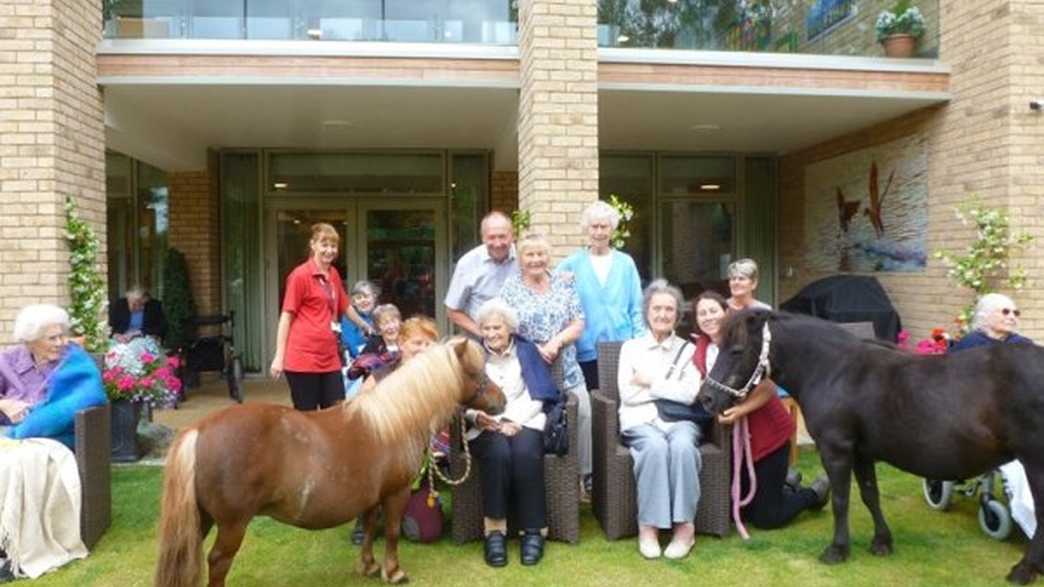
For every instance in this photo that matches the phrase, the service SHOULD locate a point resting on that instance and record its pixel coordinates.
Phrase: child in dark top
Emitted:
(364, 296)
(381, 349)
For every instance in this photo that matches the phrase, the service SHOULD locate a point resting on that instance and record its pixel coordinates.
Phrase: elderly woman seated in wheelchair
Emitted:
(994, 322)
(509, 448)
(44, 381)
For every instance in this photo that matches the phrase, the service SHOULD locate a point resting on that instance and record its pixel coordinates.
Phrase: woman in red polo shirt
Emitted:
(776, 502)
(309, 326)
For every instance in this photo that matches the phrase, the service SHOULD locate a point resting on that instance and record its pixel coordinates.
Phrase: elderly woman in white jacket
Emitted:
(658, 365)
(509, 447)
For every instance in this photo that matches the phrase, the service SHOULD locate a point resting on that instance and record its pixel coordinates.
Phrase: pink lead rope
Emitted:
(741, 454)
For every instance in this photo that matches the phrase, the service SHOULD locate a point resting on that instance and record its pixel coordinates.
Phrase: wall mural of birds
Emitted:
(873, 211)
(846, 210)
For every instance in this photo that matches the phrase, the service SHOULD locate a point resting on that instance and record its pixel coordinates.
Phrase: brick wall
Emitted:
(984, 143)
(854, 35)
(51, 145)
(194, 230)
(504, 191)
(558, 116)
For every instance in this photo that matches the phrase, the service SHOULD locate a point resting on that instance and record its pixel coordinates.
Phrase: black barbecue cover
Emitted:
(848, 298)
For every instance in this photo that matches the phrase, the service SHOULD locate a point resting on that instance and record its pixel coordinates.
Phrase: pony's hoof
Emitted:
(370, 569)
(399, 577)
(881, 547)
(1022, 574)
(834, 554)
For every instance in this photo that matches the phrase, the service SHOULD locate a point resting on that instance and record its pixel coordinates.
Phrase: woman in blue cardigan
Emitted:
(609, 288)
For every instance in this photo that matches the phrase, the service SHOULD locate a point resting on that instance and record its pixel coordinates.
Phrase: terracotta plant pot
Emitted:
(899, 45)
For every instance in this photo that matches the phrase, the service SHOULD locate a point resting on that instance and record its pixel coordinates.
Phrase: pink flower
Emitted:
(126, 383)
(173, 362)
(108, 376)
(147, 357)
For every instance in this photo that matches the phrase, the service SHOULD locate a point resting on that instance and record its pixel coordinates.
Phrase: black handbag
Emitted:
(673, 411)
(556, 429)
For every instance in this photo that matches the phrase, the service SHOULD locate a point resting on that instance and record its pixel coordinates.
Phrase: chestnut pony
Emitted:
(312, 470)
(950, 416)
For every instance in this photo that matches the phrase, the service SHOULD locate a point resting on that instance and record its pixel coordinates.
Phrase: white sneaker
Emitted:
(678, 549)
(650, 548)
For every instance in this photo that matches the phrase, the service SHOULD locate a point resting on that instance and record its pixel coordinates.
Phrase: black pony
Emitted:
(941, 417)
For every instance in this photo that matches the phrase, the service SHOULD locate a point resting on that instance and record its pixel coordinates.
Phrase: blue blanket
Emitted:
(75, 385)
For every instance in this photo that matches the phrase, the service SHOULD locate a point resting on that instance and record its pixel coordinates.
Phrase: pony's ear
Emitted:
(460, 346)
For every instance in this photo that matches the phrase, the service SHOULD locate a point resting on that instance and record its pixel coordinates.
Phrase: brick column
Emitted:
(194, 230)
(52, 145)
(504, 193)
(558, 116)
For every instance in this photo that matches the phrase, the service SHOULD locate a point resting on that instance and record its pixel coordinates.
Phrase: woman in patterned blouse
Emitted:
(550, 316)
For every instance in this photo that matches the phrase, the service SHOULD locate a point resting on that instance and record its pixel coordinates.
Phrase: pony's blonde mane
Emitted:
(418, 398)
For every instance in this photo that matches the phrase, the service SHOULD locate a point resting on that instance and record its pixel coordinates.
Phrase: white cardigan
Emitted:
(653, 360)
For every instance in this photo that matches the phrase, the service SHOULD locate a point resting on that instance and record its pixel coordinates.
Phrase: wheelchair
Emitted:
(215, 353)
(994, 516)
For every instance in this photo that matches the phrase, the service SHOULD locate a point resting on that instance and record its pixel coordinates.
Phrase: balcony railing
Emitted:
(830, 27)
(491, 22)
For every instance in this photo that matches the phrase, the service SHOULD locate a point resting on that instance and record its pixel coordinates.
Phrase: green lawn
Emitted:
(931, 548)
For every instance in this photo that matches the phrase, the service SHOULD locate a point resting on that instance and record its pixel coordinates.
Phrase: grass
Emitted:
(931, 548)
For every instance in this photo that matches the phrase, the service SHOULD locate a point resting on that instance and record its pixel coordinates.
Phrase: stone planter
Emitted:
(899, 45)
(125, 417)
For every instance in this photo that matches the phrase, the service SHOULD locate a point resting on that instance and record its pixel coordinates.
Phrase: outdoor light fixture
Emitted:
(623, 39)
(315, 34)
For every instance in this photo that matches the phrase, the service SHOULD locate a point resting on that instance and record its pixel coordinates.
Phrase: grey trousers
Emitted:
(583, 415)
(667, 469)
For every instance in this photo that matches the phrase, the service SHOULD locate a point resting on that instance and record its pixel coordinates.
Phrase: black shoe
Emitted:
(6, 573)
(532, 547)
(496, 549)
(821, 487)
(358, 533)
(793, 479)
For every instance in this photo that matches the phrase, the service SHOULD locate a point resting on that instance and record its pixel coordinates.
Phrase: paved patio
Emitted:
(212, 395)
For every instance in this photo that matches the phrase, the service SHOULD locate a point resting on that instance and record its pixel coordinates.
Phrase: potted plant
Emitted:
(86, 287)
(136, 373)
(899, 28)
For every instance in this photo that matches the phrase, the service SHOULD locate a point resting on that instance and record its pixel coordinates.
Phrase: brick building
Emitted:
(223, 129)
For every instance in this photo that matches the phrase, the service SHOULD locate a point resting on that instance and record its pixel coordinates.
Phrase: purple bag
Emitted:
(422, 521)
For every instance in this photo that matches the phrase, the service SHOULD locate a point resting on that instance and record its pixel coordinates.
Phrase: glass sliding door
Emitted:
(402, 247)
(697, 243)
(290, 231)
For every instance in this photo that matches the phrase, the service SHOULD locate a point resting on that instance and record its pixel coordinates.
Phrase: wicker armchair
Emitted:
(93, 448)
(615, 495)
(562, 491)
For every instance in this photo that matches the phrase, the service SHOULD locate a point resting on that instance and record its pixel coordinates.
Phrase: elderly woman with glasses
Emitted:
(994, 322)
(44, 379)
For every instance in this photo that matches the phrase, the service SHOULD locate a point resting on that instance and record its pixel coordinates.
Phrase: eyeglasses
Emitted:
(1007, 311)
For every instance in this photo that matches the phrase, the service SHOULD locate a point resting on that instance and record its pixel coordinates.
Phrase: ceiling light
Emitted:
(315, 34)
(338, 122)
(280, 185)
(710, 187)
(623, 39)
(705, 126)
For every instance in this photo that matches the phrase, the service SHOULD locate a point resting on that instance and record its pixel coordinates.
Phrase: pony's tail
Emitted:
(180, 541)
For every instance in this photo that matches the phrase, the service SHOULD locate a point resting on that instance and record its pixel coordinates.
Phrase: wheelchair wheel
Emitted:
(938, 494)
(995, 519)
(234, 376)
